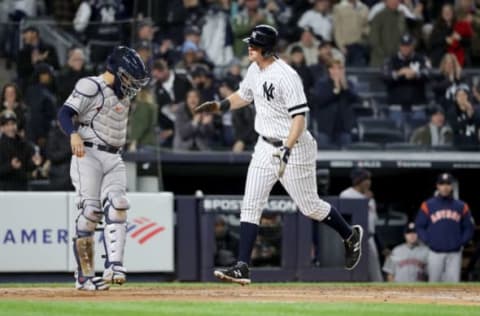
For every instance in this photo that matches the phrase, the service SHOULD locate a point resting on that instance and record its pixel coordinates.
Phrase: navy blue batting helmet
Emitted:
(129, 71)
(263, 36)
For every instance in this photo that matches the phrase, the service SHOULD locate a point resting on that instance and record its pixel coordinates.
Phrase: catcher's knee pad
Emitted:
(83, 248)
(90, 215)
(115, 206)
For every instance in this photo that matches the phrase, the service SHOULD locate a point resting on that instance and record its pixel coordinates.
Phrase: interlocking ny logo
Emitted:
(142, 229)
(268, 91)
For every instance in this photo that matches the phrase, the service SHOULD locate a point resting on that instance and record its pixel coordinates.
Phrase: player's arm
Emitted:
(296, 129)
(65, 119)
(232, 102)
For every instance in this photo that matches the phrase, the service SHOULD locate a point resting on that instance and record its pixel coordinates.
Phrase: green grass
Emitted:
(11, 308)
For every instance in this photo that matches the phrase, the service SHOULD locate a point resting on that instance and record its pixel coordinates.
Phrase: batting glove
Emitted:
(282, 154)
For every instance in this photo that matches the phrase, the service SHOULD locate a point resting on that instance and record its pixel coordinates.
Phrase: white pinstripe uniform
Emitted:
(277, 92)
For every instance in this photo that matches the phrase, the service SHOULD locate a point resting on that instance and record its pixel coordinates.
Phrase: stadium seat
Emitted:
(363, 146)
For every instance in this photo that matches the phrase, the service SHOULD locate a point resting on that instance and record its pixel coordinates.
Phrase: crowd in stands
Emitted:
(416, 49)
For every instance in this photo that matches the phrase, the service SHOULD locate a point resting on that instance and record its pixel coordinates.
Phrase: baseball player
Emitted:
(445, 225)
(408, 261)
(285, 150)
(101, 105)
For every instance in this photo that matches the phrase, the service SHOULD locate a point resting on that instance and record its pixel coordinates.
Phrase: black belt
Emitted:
(273, 141)
(108, 149)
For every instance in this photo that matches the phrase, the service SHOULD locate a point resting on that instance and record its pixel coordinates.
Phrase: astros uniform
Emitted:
(99, 176)
(278, 94)
(407, 263)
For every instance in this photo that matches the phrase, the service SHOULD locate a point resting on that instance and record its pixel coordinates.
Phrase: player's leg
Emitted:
(115, 205)
(261, 177)
(86, 176)
(453, 266)
(300, 182)
(435, 266)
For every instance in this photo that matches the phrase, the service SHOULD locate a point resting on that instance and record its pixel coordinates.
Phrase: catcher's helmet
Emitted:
(129, 71)
(263, 36)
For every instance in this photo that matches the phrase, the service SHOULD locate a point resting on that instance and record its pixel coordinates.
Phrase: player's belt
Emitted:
(273, 141)
(108, 149)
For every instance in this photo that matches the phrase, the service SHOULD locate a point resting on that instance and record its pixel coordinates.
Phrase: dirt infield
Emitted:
(451, 295)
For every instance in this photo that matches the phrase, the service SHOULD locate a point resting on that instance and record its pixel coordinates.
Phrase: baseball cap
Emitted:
(192, 30)
(296, 49)
(230, 83)
(145, 22)
(410, 228)
(30, 28)
(445, 178)
(407, 39)
(7, 116)
(188, 47)
(435, 110)
(359, 175)
(143, 45)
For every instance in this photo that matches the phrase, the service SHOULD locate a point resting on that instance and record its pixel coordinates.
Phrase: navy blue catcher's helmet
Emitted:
(265, 37)
(129, 71)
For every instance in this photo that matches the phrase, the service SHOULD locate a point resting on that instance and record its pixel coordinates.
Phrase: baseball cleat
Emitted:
(115, 274)
(239, 273)
(91, 284)
(353, 247)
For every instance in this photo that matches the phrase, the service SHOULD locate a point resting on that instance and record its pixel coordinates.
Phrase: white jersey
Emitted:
(351, 193)
(278, 95)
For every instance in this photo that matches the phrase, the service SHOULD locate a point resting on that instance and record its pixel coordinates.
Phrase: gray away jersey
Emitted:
(278, 94)
(102, 115)
(407, 264)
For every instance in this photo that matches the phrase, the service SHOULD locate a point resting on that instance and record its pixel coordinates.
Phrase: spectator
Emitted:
(326, 53)
(34, 51)
(217, 36)
(476, 35)
(442, 35)
(226, 243)
(410, 12)
(145, 51)
(42, 104)
(170, 89)
(71, 73)
(434, 133)
(408, 261)
(281, 11)
(445, 225)
(360, 189)
(465, 120)
(98, 22)
(58, 154)
(244, 135)
(450, 76)
(333, 112)
(12, 101)
(319, 19)
(297, 61)
(308, 44)
(192, 56)
(203, 81)
(193, 131)
(234, 72)
(462, 37)
(406, 74)
(17, 157)
(142, 122)
(245, 21)
(350, 18)
(386, 30)
(159, 48)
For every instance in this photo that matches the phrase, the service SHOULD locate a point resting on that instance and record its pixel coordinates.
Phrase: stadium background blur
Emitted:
(348, 54)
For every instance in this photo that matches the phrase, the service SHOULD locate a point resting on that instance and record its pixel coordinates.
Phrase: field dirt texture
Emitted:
(436, 294)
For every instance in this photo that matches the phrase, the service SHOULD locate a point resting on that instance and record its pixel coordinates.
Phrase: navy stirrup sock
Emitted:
(248, 235)
(336, 221)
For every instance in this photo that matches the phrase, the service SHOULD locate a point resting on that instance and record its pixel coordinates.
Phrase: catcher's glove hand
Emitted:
(209, 107)
(282, 154)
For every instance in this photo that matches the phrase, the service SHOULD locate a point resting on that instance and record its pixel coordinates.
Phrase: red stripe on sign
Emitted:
(138, 221)
(146, 219)
(142, 229)
(151, 234)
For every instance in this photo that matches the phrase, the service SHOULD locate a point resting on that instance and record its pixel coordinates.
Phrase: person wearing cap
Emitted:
(408, 261)
(309, 45)
(144, 50)
(361, 189)
(74, 70)
(464, 119)
(333, 112)
(445, 225)
(386, 29)
(434, 133)
(17, 157)
(350, 20)
(34, 51)
(405, 75)
(298, 62)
